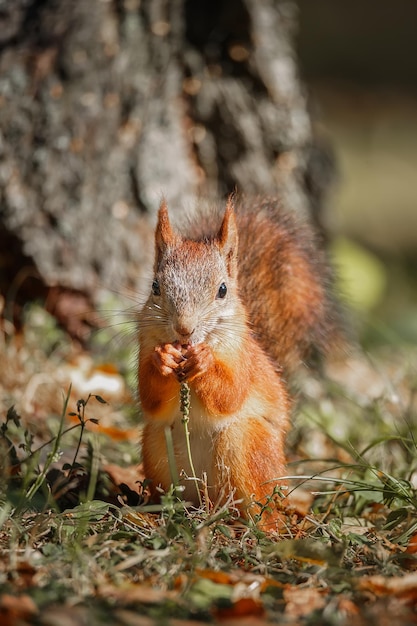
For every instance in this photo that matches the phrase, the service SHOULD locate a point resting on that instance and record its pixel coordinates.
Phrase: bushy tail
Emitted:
(286, 284)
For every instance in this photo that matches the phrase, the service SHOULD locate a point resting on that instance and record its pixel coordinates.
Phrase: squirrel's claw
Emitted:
(198, 359)
(167, 358)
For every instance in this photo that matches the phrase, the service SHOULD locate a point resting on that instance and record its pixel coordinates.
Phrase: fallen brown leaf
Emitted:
(23, 575)
(136, 593)
(300, 501)
(241, 608)
(404, 587)
(130, 476)
(303, 601)
(412, 545)
(13, 609)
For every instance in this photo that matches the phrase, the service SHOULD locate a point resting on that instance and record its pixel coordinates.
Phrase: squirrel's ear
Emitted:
(227, 237)
(164, 235)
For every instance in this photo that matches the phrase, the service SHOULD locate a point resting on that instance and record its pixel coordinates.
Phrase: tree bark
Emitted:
(106, 106)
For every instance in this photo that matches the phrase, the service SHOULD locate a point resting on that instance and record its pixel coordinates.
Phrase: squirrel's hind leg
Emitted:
(251, 465)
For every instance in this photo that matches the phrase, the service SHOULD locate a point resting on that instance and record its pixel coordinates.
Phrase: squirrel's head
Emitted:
(194, 291)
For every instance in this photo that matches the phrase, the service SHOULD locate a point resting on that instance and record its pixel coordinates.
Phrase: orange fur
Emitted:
(159, 394)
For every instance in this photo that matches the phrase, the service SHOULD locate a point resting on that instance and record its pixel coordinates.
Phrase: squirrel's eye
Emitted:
(156, 290)
(222, 291)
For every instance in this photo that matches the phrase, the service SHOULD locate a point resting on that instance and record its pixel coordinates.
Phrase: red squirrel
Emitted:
(234, 308)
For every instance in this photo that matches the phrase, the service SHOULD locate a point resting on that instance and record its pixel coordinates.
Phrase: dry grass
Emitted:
(77, 549)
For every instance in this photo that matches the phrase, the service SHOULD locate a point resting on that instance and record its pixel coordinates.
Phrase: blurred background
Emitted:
(108, 105)
(359, 63)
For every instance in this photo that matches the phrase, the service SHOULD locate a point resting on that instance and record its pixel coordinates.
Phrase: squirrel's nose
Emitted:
(184, 330)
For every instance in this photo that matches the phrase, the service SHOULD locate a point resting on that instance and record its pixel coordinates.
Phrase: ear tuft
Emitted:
(227, 237)
(164, 234)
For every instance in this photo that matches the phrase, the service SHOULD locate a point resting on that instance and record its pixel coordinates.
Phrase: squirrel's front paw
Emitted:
(198, 359)
(167, 358)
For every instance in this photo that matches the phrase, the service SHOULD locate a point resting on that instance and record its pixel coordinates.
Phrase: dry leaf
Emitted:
(14, 609)
(241, 608)
(404, 587)
(412, 545)
(24, 575)
(130, 476)
(303, 601)
(136, 593)
(300, 501)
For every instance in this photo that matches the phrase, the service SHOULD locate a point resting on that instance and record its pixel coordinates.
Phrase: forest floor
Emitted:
(79, 546)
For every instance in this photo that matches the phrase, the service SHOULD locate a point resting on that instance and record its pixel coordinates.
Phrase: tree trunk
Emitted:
(106, 106)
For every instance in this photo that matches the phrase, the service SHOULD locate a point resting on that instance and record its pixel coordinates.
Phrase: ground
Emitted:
(78, 545)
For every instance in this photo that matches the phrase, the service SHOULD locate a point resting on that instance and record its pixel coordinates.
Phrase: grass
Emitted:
(78, 548)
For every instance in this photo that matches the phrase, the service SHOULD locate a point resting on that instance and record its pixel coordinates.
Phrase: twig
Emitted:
(185, 410)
